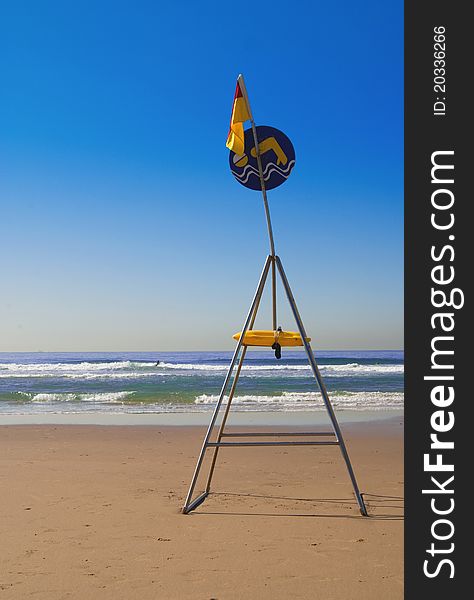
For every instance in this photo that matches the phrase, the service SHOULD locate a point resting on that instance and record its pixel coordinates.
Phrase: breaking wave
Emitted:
(130, 369)
(98, 398)
(124, 402)
(116, 383)
(305, 401)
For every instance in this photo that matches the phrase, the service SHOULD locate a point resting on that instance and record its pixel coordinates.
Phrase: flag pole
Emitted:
(241, 82)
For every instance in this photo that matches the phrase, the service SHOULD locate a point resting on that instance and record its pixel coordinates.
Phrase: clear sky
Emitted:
(121, 227)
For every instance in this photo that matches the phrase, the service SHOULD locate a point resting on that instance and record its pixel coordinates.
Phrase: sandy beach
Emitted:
(94, 512)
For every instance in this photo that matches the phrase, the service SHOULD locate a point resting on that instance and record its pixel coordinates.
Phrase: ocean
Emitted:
(184, 382)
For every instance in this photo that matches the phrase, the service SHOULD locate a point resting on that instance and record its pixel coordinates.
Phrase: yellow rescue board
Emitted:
(259, 337)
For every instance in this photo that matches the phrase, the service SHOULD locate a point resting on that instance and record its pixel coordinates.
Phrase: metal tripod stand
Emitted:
(335, 437)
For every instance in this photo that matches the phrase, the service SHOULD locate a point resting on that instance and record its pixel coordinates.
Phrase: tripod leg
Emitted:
(234, 385)
(224, 419)
(322, 387)
(261, 284)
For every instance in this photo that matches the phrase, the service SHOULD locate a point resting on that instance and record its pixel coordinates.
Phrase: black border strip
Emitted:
(428, 131)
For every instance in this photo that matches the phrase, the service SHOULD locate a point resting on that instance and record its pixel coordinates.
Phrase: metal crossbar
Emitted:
(276, 433)
(229, 444)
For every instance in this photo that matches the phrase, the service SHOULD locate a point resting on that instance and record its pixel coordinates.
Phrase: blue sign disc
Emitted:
(277, 155)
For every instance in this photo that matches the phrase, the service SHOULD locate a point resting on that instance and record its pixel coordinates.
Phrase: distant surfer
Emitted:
(157, 363)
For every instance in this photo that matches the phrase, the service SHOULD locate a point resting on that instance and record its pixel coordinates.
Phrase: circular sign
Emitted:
(277, 155)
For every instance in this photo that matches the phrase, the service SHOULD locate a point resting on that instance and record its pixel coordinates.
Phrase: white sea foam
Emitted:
(76, 370)
(305, 401)
(96, 366)
(116, 402)
(344, 370)
(130, 369)
(99, 398)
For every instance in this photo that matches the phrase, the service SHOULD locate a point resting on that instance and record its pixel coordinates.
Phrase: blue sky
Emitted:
(121, 226)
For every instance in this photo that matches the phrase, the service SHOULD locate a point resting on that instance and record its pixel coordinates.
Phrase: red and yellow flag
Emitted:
(240, 114)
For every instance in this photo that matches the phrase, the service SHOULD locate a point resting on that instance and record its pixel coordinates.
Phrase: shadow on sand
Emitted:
(374, 502)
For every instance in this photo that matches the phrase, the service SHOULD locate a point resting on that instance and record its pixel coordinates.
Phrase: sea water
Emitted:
(189, 382)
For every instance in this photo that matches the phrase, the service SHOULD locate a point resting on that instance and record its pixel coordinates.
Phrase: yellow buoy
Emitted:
(259, 337)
